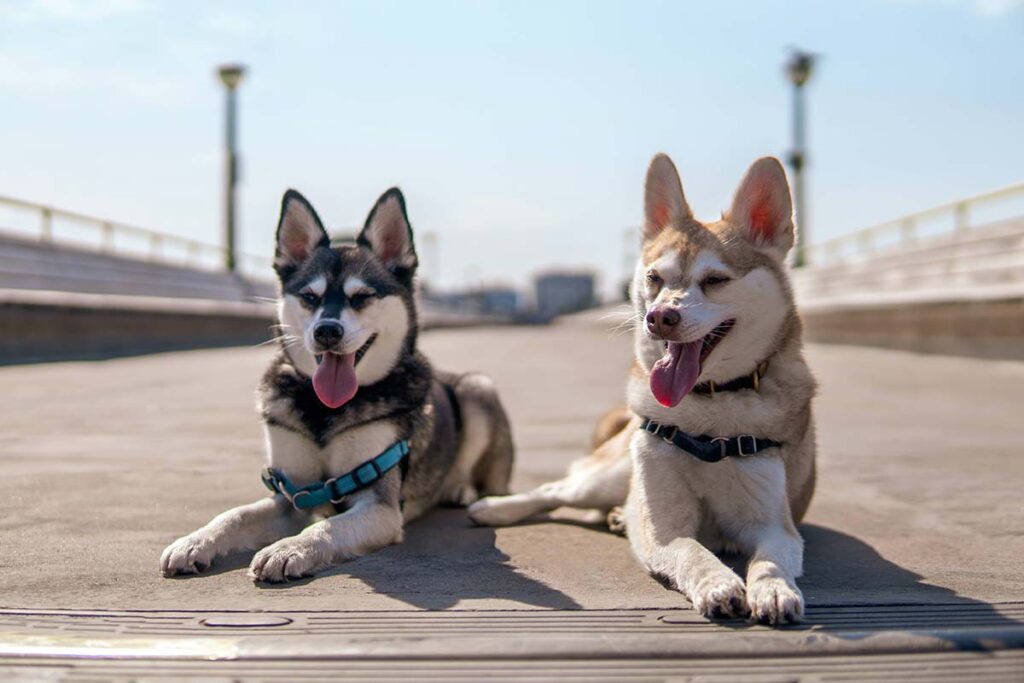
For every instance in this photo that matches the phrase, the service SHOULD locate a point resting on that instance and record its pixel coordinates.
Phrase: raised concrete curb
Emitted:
(46, 325)
(980, 328)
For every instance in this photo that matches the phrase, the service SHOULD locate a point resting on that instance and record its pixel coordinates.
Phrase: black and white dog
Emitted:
(362, 434)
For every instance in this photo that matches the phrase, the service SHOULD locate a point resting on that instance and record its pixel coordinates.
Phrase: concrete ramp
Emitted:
(34, 264)
(914, 551)
(59, 302)
(956, 293)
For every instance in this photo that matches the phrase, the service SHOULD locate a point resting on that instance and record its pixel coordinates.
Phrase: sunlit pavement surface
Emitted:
(915, 541)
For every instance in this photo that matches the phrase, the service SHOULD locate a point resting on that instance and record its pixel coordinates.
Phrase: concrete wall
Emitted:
(958, 293)
(44, 325)
(988, 329)
(60, 302)
(35, 326)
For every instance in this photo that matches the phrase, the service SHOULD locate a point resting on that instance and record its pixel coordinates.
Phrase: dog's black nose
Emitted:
(328, 333)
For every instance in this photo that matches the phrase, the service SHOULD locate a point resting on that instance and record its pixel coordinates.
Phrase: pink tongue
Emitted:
(676, 373)
(335, 379)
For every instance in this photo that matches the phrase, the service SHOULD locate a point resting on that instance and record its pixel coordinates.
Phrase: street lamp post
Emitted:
(798, 68)
(231, 76)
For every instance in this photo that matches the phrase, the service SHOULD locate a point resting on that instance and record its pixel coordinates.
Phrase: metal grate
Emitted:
(960, 666)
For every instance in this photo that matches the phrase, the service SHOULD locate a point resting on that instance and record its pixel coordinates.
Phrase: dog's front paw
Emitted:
(616, 520)
(190, 554)
(491, 511)
(773, 600)
(720, 594)
(289, 558)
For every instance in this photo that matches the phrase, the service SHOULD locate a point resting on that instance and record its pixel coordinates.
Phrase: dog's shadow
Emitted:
(843, 574)
(443, 560)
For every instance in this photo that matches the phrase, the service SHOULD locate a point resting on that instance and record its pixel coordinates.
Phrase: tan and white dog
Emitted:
(719, 425)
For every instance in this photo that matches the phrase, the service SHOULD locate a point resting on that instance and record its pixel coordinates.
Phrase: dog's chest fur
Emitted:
(287, 399)
(733, 492)
(410, 404)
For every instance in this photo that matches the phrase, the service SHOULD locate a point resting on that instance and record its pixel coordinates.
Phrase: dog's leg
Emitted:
(776, 551)
(243, 528)
(373, 521)
(472, 393)
(252, 526)
(599, 481)
(663, 516)
(492, 474)
(494, 471)
(484, 461)
(762, 527)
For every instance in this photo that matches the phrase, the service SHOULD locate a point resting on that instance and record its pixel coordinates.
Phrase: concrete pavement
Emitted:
(918, 502)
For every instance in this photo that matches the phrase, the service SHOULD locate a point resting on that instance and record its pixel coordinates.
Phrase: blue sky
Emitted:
(520, 131)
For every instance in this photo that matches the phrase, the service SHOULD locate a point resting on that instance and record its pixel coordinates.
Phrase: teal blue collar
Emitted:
(336, 488)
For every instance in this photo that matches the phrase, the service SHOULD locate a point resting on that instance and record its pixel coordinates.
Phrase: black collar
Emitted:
(751, 381)
(708, 448)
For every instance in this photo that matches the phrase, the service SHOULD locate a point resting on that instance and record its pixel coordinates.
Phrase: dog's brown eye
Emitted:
(653, 278)
(714, 279)
(310, 299)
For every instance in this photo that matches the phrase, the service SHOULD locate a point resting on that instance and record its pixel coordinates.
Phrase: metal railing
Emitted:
(950, 218)
(60, 226)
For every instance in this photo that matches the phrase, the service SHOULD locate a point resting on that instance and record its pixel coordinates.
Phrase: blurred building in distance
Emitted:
(560, 292)
(496, 305)
(496, 300)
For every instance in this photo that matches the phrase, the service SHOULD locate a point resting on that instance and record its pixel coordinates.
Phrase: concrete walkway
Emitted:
(917, 527)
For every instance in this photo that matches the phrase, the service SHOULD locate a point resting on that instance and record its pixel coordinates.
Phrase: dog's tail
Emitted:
(610, 424)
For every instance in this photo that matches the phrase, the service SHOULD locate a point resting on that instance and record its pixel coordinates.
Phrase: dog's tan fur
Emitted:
(677, 510)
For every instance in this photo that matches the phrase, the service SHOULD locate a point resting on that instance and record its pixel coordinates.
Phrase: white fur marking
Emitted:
(708, 262)
(389, 319)
(354, 285)
(317, 285)
(298, 324)
(667, 266)
(352, 447)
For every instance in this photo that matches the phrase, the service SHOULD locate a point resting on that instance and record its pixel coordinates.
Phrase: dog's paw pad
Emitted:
(720, 595)
(774, 601)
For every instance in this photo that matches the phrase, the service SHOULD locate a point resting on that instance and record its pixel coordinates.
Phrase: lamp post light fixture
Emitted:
(231, 76)
(798, 69)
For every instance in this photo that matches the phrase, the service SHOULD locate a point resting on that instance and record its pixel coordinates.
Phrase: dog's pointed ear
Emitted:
(762, 208)
(387, 234)
(664, 202)
(299, 232)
